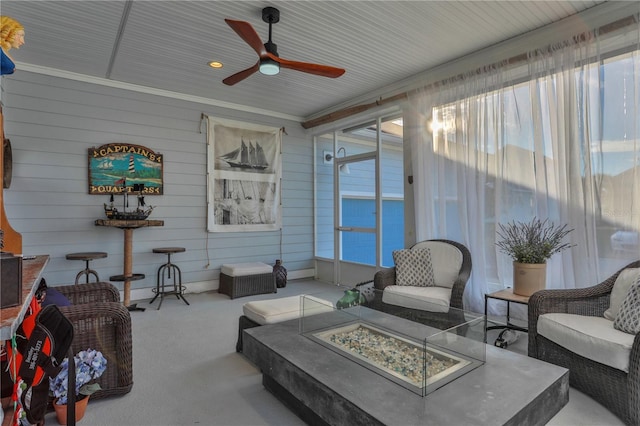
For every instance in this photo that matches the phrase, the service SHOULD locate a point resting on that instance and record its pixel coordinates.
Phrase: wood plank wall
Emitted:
(53, 121)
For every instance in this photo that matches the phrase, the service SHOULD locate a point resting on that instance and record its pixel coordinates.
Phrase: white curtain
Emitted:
(555, 137)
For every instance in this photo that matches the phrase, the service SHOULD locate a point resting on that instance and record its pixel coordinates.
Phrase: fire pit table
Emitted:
(327, 369)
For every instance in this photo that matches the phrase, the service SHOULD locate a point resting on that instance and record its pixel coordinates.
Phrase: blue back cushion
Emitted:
(54, 297)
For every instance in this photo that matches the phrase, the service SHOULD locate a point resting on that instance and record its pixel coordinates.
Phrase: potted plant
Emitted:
(90, 364)
(530, 244)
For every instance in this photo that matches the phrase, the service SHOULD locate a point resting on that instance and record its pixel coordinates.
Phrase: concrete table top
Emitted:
(326, 387)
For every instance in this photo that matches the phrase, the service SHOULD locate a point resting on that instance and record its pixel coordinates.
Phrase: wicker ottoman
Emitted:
(246, 279)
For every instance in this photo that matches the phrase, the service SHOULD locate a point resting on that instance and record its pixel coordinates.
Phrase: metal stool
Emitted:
(87, 257)
(165, 271)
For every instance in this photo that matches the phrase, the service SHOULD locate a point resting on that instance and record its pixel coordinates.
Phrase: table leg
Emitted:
(128, 270)
(128, 264)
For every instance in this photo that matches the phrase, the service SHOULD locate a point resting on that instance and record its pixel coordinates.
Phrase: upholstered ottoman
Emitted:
(246, 279)
(263, 312)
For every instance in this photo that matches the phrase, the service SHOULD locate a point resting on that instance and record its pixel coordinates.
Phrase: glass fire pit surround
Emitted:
(418, 357)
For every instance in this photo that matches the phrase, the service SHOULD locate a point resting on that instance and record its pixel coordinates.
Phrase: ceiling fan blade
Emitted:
(248, 34)
(239, 76)
(317, 69)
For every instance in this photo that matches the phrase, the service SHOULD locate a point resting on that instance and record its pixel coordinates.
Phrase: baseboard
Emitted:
(302, 273)
(202, 286)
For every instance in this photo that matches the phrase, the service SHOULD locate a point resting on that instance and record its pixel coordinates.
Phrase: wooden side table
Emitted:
(128, 226)
(508, 296)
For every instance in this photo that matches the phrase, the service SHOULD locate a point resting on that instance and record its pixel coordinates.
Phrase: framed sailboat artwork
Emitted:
(115, 167)
(244, 171)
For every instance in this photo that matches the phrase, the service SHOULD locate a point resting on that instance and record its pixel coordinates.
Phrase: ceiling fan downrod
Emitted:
(271, 15)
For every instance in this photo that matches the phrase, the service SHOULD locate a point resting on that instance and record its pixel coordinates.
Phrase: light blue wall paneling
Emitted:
(52, 122)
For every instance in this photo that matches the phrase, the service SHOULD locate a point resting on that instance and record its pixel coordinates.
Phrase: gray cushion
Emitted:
(628, 319)
(413, 267)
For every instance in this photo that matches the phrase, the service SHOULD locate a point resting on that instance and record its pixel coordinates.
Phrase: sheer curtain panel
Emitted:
(555, 136)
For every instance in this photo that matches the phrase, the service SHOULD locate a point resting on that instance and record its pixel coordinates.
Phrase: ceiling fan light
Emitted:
(269, 67)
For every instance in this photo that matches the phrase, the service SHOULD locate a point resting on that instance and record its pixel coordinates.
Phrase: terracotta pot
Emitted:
(61, 410)
(528, 278)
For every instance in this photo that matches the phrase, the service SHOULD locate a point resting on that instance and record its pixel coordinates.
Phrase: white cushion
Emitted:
(283, 309)
(413, 267)
(621, 287)
(244, 269)
(432, 299)
(446, 260)
(590, 337)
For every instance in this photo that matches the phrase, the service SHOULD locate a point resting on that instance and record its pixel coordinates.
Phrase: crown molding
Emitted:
(54, 72)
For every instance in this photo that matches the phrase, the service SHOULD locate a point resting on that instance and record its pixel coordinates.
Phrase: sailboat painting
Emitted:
(244, 150)
(113, 163)
(244, 168)
(247, 156)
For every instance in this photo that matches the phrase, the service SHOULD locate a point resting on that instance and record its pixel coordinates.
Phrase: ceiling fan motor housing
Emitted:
(271, 47)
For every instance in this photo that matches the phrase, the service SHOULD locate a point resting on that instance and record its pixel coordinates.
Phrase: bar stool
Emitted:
(87, 257)
(165, 271)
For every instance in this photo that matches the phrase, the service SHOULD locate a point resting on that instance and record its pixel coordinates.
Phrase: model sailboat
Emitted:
(141, 212)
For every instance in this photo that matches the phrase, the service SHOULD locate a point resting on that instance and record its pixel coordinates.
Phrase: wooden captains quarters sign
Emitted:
(113, 164)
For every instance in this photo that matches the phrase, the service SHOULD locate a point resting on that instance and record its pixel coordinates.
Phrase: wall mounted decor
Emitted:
(116, 166)
(244, 169)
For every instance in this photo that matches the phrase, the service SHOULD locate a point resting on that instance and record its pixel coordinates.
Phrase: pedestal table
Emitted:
(128, 226)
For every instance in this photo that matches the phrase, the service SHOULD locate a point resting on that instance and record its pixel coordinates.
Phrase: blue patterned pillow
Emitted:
(413, 267)
(628, 318)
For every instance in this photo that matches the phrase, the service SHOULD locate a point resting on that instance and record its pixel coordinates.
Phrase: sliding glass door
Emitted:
(359, 215)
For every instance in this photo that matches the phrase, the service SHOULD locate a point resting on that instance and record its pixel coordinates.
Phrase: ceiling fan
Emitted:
(269, 63)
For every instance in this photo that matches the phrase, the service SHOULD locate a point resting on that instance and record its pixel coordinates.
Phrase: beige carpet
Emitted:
(186, 371)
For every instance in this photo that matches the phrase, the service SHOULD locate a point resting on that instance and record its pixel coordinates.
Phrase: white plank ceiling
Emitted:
(167, 44)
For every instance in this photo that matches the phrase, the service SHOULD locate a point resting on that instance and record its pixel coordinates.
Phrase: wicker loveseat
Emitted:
(451, 261)
(101, 322)
(616, 389)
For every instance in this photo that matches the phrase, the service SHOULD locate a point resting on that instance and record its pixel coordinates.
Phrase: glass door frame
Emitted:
(337, 201)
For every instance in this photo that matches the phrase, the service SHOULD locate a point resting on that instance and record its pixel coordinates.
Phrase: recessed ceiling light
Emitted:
(215, 64)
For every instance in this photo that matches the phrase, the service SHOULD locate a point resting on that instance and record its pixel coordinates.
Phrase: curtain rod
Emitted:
(522, 57)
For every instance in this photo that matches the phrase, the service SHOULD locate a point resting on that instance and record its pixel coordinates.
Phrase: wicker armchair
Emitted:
(101, 322)
(617, 391)
(387, 277)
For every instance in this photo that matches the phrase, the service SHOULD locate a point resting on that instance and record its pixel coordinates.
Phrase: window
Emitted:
(360, 247)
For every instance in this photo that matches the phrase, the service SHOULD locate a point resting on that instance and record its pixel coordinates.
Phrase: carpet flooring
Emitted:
(186, 371)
